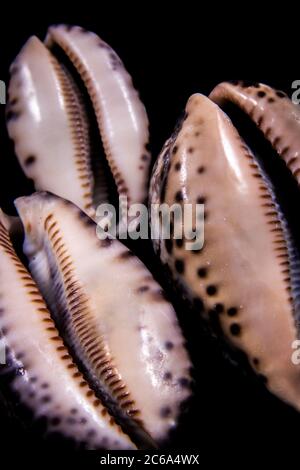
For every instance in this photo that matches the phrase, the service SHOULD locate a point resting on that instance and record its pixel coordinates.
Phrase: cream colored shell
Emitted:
(46, 379)
(111, 311)
(49, 123)
(240, 280)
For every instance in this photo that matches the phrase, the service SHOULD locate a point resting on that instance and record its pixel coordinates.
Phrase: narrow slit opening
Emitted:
(104, 186)
(283, 187)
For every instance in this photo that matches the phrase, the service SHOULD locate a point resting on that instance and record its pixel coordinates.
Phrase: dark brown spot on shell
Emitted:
(211, 290)
(175, 148)
(165, 411)
(261, 94)
(14, 69)
(30, 160)
(46, 399)
(201, 169)
(235, 329)
(201, 200)
(178, 196)
(142, 289)
(184, 382)
(167, 375)
(202, 272)
(169, 345)
(12, 115)
(219, 308)
(232, 311)
(177, 166)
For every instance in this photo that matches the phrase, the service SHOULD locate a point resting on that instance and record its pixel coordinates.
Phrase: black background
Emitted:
(169, 60)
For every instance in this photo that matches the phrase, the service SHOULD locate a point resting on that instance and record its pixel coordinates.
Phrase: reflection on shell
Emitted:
(110, 311)
(46, 378)
(244, 281)
(63, 95)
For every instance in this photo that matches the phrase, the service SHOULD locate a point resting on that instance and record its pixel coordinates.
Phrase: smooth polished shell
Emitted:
(50, 125)
(272, 111)
(111, 312)
(122, 119)
(46, 378)
(241, 280)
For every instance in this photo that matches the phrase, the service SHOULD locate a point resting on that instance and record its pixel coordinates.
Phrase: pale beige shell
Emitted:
(111, 311)
(241, 279)
(46, 378)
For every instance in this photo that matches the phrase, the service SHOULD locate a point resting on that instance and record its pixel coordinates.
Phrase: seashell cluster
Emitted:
(95, 346)
(245, 280)
(49, 119)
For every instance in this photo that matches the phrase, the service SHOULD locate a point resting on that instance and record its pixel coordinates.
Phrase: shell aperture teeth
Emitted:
(245, 238)
(48, 381)
(121, 117)
(272, 111)
(128, 341)
(59, 122)
(81, 134)
(268, 121)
